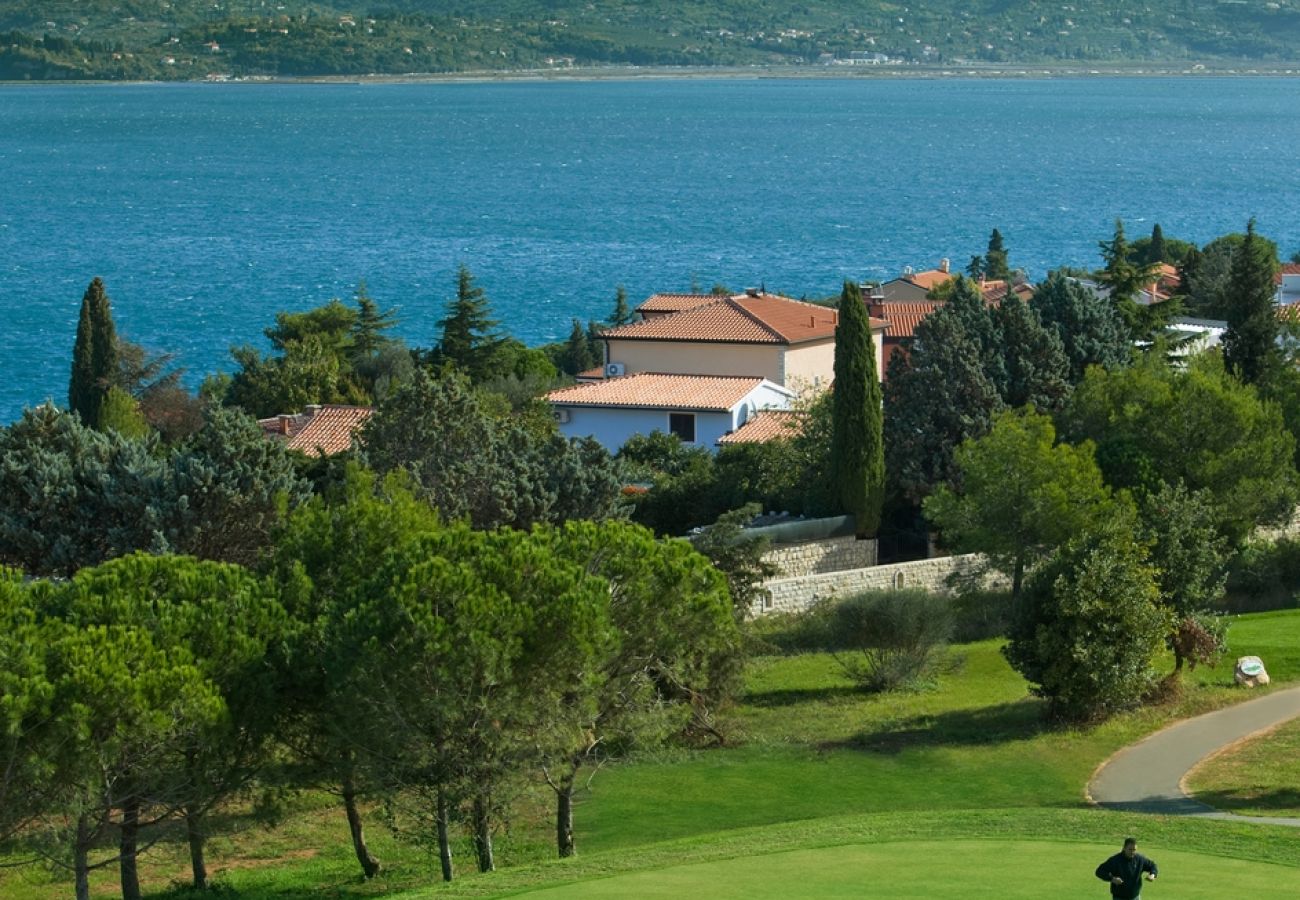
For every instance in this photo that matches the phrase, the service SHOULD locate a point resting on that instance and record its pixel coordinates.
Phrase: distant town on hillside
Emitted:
(232, 39)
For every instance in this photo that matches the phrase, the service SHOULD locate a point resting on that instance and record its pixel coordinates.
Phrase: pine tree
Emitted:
(1250, 343)
(857, 445)
(577, 353)
(996, 267)
(468, 338)
(94, 354)
(622, 314)
(975, 268)
(368, 330)
(1125, 278)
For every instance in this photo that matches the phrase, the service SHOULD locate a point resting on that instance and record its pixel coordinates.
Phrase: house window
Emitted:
(682, 425)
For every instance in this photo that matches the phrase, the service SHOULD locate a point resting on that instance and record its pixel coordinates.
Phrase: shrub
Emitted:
(888, 639)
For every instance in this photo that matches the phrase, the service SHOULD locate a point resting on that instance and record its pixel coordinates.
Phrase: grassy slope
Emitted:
(966, 760)
(1259, 777)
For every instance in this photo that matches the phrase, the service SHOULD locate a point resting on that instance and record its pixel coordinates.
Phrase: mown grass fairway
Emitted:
(932, 870)
(815, 766)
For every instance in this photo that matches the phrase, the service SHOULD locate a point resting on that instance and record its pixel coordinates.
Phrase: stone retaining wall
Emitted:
(819, 557)
(798, 593)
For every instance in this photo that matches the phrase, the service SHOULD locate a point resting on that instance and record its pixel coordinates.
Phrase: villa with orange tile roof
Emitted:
(699, 409)
(787, 342)
(319, 430)
(1288, 284)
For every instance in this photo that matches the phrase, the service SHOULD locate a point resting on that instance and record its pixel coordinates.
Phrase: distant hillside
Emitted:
(190, 39)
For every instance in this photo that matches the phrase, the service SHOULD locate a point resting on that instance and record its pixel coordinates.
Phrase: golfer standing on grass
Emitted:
(1125, 869)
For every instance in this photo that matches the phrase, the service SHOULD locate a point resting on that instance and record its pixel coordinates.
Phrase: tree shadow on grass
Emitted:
(1017, 721)
(1284, 800)
(793, 696)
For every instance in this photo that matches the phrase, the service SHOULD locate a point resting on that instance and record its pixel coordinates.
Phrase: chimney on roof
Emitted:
(812, 321)
(751, 292)
(283, 422)
(311, 409)
(944, 264)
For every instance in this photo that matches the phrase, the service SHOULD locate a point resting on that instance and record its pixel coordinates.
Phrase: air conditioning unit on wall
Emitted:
(562, 416)
(613, 370)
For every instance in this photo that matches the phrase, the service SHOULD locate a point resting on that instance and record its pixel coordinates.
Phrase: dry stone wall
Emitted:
(819, 557)
(795, 594)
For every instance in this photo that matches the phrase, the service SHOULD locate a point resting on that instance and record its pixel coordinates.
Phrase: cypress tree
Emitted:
(622, 314)
(577, 352)
(94, 354)
(1250, 342)
(1156, 249)
(996, 267)
(857, 445)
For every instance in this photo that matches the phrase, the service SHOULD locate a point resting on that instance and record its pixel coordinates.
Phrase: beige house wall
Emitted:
(810, 366)
(686, 358)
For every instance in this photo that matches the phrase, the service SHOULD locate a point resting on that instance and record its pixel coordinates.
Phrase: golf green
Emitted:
(926, 870)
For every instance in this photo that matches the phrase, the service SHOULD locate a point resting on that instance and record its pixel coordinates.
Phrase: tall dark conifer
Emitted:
(94, 355)
(622, 314)
(996, 266)
(1156, 249)
(857, 445)
(1250, 343)
(469, 340)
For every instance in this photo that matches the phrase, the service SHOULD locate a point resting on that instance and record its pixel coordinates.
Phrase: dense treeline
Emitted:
(183, 40)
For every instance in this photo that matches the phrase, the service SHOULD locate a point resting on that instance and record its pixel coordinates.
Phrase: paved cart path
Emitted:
(1147, 777)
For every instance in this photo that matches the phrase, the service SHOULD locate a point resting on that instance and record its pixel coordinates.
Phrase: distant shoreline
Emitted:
(738, 73)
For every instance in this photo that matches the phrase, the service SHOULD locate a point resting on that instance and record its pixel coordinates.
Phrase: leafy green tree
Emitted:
(469, 340)
(857, 450)
(1022, 496)
(94, 354)
(25, 703)
(996, 267)
(310, 370)
(122, 708)
(1092, 624)
(1090, 330)
(482, 639)
(226, 622)
(71, 496)
(1190, 557)
(1250, 342)
(671, 617)
(120, 412)
(622, 314)
(338, 541)
(1153, 424)
(493, 468)
(229, 488)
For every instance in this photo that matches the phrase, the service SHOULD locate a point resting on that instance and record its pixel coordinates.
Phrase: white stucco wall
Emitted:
(685, 358)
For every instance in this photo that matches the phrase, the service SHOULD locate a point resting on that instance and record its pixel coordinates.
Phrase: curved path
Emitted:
(1147, 777)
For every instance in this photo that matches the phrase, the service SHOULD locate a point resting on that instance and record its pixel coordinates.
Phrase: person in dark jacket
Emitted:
(1125, 869)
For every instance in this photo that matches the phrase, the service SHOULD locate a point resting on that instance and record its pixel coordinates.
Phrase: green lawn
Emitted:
(814, 764)
(939, 869)
(1259, 777)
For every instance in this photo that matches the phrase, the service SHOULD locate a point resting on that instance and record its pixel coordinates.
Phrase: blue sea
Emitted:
(207, 208)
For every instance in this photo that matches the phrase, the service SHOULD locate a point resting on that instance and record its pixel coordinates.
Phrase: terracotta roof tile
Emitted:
(669, 303)
(318, 431)
(766, 425)
(1286, 269)
(903, 317)
(744, 319)
(652, 390)
(592, 374)
(930, 278)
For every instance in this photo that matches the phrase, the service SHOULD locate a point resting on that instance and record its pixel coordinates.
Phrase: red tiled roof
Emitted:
(743, 319)
(591, 374)
(1286, 269)
(903, 317)
(317, 431)
(669, 303)
(930, 278)
(652, 390)
(766, 425)
(995, 291)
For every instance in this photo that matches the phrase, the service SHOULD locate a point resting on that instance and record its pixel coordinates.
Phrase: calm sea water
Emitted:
(206, 208)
